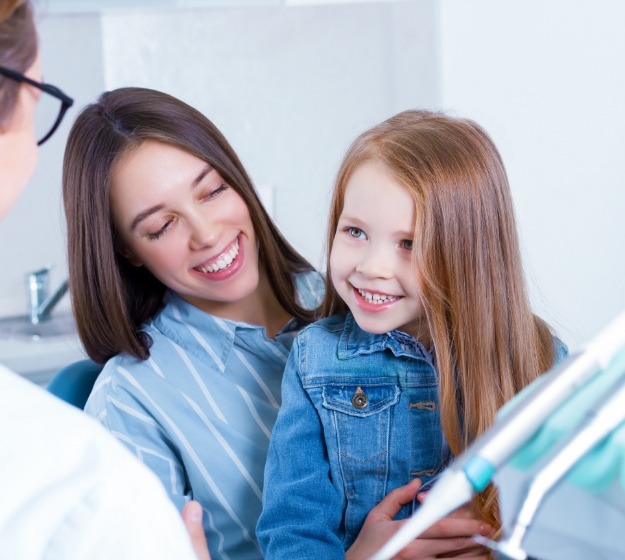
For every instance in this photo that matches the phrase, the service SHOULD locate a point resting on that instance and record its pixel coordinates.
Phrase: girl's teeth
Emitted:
(224, 260)
(376, 299)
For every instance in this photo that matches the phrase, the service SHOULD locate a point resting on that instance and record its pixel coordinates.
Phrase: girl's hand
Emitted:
(449, 537)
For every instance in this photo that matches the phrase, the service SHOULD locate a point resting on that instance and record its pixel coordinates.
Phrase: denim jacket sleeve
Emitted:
(302, 509)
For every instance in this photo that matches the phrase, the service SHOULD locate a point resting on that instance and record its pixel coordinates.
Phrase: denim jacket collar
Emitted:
(356, 342)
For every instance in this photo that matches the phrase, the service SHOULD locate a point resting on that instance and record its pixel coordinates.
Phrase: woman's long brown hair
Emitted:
(111, 299)
(488, 344)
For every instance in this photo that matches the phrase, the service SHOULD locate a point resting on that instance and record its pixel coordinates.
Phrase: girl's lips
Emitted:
(220, 268)
(373, 301)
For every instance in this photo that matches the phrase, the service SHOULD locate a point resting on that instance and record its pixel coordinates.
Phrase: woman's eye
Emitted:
(215, 192)
(406, 244)
(158, 234)
(356, 233)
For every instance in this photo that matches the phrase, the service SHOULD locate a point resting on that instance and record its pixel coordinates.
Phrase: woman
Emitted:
(183, 285)
(69, 489)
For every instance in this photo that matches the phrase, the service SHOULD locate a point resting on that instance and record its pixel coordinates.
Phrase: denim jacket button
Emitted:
(360, 400)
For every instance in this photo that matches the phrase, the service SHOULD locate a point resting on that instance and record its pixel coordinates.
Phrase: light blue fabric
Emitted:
(330, 461)
(200, 410)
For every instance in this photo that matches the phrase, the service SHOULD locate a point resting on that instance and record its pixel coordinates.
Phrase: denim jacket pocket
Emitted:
(361, 418)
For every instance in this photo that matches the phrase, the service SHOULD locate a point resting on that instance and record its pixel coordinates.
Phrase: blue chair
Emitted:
(74, 382)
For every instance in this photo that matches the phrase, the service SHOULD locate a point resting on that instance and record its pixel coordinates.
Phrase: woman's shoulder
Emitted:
(560, 350)
(310, 288)
(123, 378)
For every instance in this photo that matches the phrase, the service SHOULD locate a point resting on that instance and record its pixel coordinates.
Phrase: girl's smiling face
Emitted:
(176, 216)
(371, 260)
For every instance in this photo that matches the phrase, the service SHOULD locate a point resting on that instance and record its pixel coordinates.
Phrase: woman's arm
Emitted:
(123, 407)
(192, 519)
(448, 538)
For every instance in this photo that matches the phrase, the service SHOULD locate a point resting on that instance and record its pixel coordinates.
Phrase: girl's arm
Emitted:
(302, 510)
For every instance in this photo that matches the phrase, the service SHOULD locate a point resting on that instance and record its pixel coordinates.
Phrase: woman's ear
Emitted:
(128, 255)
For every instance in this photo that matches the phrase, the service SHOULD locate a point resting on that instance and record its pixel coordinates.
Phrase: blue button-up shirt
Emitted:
(200, 410)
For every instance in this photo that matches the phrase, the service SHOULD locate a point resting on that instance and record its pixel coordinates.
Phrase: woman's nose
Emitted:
(203, 233)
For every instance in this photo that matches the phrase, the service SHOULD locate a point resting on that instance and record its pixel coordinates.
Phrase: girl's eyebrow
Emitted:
(147, 213)
(360, 224)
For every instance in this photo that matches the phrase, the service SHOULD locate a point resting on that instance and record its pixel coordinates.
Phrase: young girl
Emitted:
(428, 332)
(183, 285)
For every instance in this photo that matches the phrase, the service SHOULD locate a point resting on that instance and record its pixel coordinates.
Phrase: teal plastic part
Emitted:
(606, 462)
(479, 472)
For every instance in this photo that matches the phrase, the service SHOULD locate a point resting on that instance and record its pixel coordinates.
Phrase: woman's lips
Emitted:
(226, 264)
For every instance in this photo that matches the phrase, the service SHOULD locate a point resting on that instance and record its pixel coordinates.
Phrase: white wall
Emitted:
(291, 87)
(547, 80)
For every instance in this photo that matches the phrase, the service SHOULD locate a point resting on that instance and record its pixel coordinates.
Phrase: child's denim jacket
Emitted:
(360, 417)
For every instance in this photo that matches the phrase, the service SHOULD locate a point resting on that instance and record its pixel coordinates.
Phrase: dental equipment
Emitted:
(474, 469)
(604, 416)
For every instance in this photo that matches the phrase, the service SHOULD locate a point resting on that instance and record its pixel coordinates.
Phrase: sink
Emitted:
(61, 324)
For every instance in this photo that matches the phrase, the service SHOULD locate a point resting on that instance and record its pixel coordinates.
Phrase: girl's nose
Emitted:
(375, 263)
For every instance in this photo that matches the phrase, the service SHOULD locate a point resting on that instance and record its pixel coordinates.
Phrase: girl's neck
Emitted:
(419, 330)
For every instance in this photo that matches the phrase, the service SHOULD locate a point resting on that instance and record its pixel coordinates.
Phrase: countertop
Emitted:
(38, 360)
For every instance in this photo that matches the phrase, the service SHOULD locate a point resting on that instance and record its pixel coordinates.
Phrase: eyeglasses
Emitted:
(50, 110)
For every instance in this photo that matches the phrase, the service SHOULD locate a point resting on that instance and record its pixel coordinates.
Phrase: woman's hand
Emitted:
(192, 518)
(449, 537)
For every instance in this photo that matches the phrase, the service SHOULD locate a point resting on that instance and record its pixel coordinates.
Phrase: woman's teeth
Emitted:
(223, 261)
(376, 299)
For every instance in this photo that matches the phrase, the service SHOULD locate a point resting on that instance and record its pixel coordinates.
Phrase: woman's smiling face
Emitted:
(176, 216)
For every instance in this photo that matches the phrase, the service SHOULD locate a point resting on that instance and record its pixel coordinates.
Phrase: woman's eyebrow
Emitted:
(147, 213)
(143, 215)
(205, 171)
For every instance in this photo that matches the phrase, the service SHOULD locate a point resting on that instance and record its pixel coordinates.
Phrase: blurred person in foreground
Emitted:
(69, 489)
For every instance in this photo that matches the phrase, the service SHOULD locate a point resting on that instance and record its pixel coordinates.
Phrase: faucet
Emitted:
(41, 302)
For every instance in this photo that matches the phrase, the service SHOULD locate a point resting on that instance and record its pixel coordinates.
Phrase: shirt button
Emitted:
(360, 400)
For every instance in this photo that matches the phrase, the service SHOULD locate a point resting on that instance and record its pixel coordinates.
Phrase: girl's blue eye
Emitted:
(356, 233)
(406, 244)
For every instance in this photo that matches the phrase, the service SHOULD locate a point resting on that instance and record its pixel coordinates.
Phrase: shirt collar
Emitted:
(204, 334)
(356, 342)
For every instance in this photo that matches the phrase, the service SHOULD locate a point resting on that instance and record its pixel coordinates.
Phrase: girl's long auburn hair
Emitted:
(111, 299)
(488, 344)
